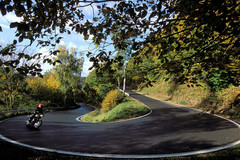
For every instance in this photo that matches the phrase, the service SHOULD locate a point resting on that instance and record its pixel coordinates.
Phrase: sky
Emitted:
(70, 41)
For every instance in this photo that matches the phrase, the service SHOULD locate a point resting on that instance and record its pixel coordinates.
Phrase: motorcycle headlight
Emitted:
(41, 115)
(36, 115)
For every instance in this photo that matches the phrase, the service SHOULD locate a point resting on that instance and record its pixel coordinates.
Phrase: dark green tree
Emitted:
(97, 84)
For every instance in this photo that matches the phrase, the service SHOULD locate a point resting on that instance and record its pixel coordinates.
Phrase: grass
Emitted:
(197, 97)
(130, 108)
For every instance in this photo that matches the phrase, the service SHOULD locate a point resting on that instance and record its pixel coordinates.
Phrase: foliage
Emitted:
(97, 85)
(19, 89)
(11, 86)
(193, 42)
(142, 70)
(69, 71)
(188, 39)
(130, 108)
(45, 89)
(117, 67)
(113, 98)
(14, 68)
(225, 101)
(21, 62)
(207, 28)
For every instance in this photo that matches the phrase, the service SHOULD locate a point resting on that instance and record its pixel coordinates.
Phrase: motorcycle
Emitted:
(34, 120)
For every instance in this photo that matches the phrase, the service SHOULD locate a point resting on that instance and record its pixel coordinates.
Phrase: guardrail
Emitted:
(126, 94)
(29, 110)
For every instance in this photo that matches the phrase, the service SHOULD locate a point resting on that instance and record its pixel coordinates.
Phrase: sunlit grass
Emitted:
(130, 108)
(198, 97)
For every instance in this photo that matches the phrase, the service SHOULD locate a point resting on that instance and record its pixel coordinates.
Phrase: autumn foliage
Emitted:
(113, 98)
(46, 88)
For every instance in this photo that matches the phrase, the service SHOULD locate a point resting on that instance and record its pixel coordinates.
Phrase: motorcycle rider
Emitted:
(37, 111)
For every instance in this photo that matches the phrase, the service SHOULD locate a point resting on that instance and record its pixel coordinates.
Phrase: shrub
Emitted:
(97, 86)
(130, 108)
(112, 99)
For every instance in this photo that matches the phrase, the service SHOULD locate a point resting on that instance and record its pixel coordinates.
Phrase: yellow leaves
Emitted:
(52, 82)
(6, 91)
(48, 82)
(97, 89)
(201, 2)
(34, 83)
(3, 77)
(110, 100)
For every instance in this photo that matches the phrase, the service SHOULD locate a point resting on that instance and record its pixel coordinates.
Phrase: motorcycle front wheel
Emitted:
(38, 124)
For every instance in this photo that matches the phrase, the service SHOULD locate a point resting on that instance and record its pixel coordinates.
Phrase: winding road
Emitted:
(170, 130)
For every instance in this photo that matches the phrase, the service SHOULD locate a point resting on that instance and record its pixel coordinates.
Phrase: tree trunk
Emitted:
(124, 74)
(74, 95)
(65, 99)
(118, 80)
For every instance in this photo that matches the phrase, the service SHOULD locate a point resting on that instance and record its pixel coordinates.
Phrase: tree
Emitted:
(69, 70)
(117, 67)
(14, 68)
(207, 25)
(11, 84)
(98, 83)
(46, 88)
(208, 29)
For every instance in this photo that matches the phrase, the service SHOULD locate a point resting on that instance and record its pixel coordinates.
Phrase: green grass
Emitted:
(130, 108)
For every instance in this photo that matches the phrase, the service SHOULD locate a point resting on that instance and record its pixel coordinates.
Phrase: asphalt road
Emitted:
(170, 130)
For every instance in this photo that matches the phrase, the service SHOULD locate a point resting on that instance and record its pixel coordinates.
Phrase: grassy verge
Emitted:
(130, 108)
(223, 102)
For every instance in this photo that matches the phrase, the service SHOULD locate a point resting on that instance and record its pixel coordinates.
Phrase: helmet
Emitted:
(40, 105)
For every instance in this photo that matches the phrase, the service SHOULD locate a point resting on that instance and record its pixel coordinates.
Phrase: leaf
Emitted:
(55, 52)
(144, 14)
(14, 24)
(9, 8)
(7, 69)
(57, 61)
(20, 39)
(3, 11)
(166, 79)
(14, 41)
(33, 74)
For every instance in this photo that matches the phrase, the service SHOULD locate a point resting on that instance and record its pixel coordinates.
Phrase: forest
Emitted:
(163, 43)
(58, 87)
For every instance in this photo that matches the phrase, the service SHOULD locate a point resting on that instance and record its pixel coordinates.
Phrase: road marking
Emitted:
(122, 155)
(204, 151)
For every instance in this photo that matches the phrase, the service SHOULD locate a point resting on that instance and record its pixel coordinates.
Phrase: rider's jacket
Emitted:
(38, 110)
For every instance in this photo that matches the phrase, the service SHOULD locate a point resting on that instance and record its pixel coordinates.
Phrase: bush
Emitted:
(130, 108)
(112, 99)
(97, 86)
